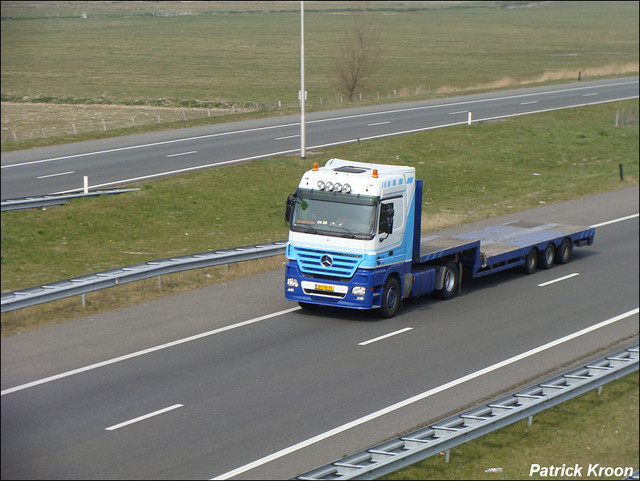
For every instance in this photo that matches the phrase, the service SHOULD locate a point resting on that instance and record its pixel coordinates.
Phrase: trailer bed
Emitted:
(503, 246)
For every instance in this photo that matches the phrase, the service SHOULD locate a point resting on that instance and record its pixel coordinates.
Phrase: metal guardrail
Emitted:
(634, 476)
(54, 199)
(408, 449)
(136, 272)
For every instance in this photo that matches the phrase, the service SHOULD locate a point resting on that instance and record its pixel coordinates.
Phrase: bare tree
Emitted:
(358, 52)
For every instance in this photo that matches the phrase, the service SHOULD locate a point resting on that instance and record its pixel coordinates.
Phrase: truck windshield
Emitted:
(334, 214)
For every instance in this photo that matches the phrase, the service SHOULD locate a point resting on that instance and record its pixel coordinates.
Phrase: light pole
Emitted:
(302, 91)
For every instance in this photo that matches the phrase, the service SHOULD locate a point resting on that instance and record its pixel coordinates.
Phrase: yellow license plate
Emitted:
(322, 287)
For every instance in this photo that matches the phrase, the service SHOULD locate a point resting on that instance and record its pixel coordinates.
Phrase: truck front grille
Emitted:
(327, 263)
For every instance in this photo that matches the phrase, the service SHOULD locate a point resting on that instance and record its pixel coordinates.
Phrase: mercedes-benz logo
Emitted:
(326, 260)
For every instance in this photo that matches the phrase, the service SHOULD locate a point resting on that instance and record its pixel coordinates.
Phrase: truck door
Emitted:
(391, 225)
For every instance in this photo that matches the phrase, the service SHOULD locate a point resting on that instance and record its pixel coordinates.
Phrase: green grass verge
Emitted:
(586, 431)
(469, 172)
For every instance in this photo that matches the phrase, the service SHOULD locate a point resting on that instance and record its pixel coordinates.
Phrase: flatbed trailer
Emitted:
(517, 243)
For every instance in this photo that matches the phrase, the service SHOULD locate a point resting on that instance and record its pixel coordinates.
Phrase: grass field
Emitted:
(200, 60)
(470, 173)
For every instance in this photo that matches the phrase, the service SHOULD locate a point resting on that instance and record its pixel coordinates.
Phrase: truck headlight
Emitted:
(292, 282)
(359, 290)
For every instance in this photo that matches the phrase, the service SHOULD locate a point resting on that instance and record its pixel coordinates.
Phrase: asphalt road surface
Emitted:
(232, 380)
(116, 162)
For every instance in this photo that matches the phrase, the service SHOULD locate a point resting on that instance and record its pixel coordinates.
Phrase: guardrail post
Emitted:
(159, 282)
(447, 455)
(529, 421)
(84, 301)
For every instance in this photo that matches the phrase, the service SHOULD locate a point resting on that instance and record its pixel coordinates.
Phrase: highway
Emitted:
(113, 163)
(233, 381)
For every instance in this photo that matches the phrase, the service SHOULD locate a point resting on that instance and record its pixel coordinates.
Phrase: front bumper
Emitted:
(325, 292)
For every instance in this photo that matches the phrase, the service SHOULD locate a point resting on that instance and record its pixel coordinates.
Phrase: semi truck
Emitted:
(355, 241)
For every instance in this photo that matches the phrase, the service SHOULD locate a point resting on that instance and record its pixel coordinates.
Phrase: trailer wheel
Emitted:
(450, 282)
(391, 298)
(530, 261)
(563, 254)
(547, 256)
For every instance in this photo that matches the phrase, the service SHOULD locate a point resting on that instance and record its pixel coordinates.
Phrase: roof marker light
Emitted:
(375, 173)
(315, 167)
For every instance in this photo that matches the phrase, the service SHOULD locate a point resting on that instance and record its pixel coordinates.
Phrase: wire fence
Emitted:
(28, 121)
(626, 116)
(36, 120)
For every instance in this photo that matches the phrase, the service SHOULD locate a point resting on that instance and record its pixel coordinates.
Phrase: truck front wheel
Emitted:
(391, 298)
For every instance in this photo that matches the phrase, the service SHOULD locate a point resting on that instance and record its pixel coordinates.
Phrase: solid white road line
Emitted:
(56, 175)
(141, 418)
(183, 153)
(147, 351)
(615, 220)
(558, 280)
(395, 333)
(421, 396)
(287, 137)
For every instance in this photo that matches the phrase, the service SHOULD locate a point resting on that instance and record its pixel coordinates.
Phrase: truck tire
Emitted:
(530, 261)
(450, 282)
(564, 251)
(307, 306)
(391, 298)
(547, 256)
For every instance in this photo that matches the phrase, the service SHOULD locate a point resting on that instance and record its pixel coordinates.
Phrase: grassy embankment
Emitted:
(586, 431)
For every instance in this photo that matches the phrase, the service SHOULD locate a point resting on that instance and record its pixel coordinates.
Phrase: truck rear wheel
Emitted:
(530, 261)
(391, 298)
(563, 253)
(547, 256)
(450, 282)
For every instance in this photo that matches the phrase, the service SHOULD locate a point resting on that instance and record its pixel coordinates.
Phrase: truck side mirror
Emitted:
(291, 201)
(386, 219)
